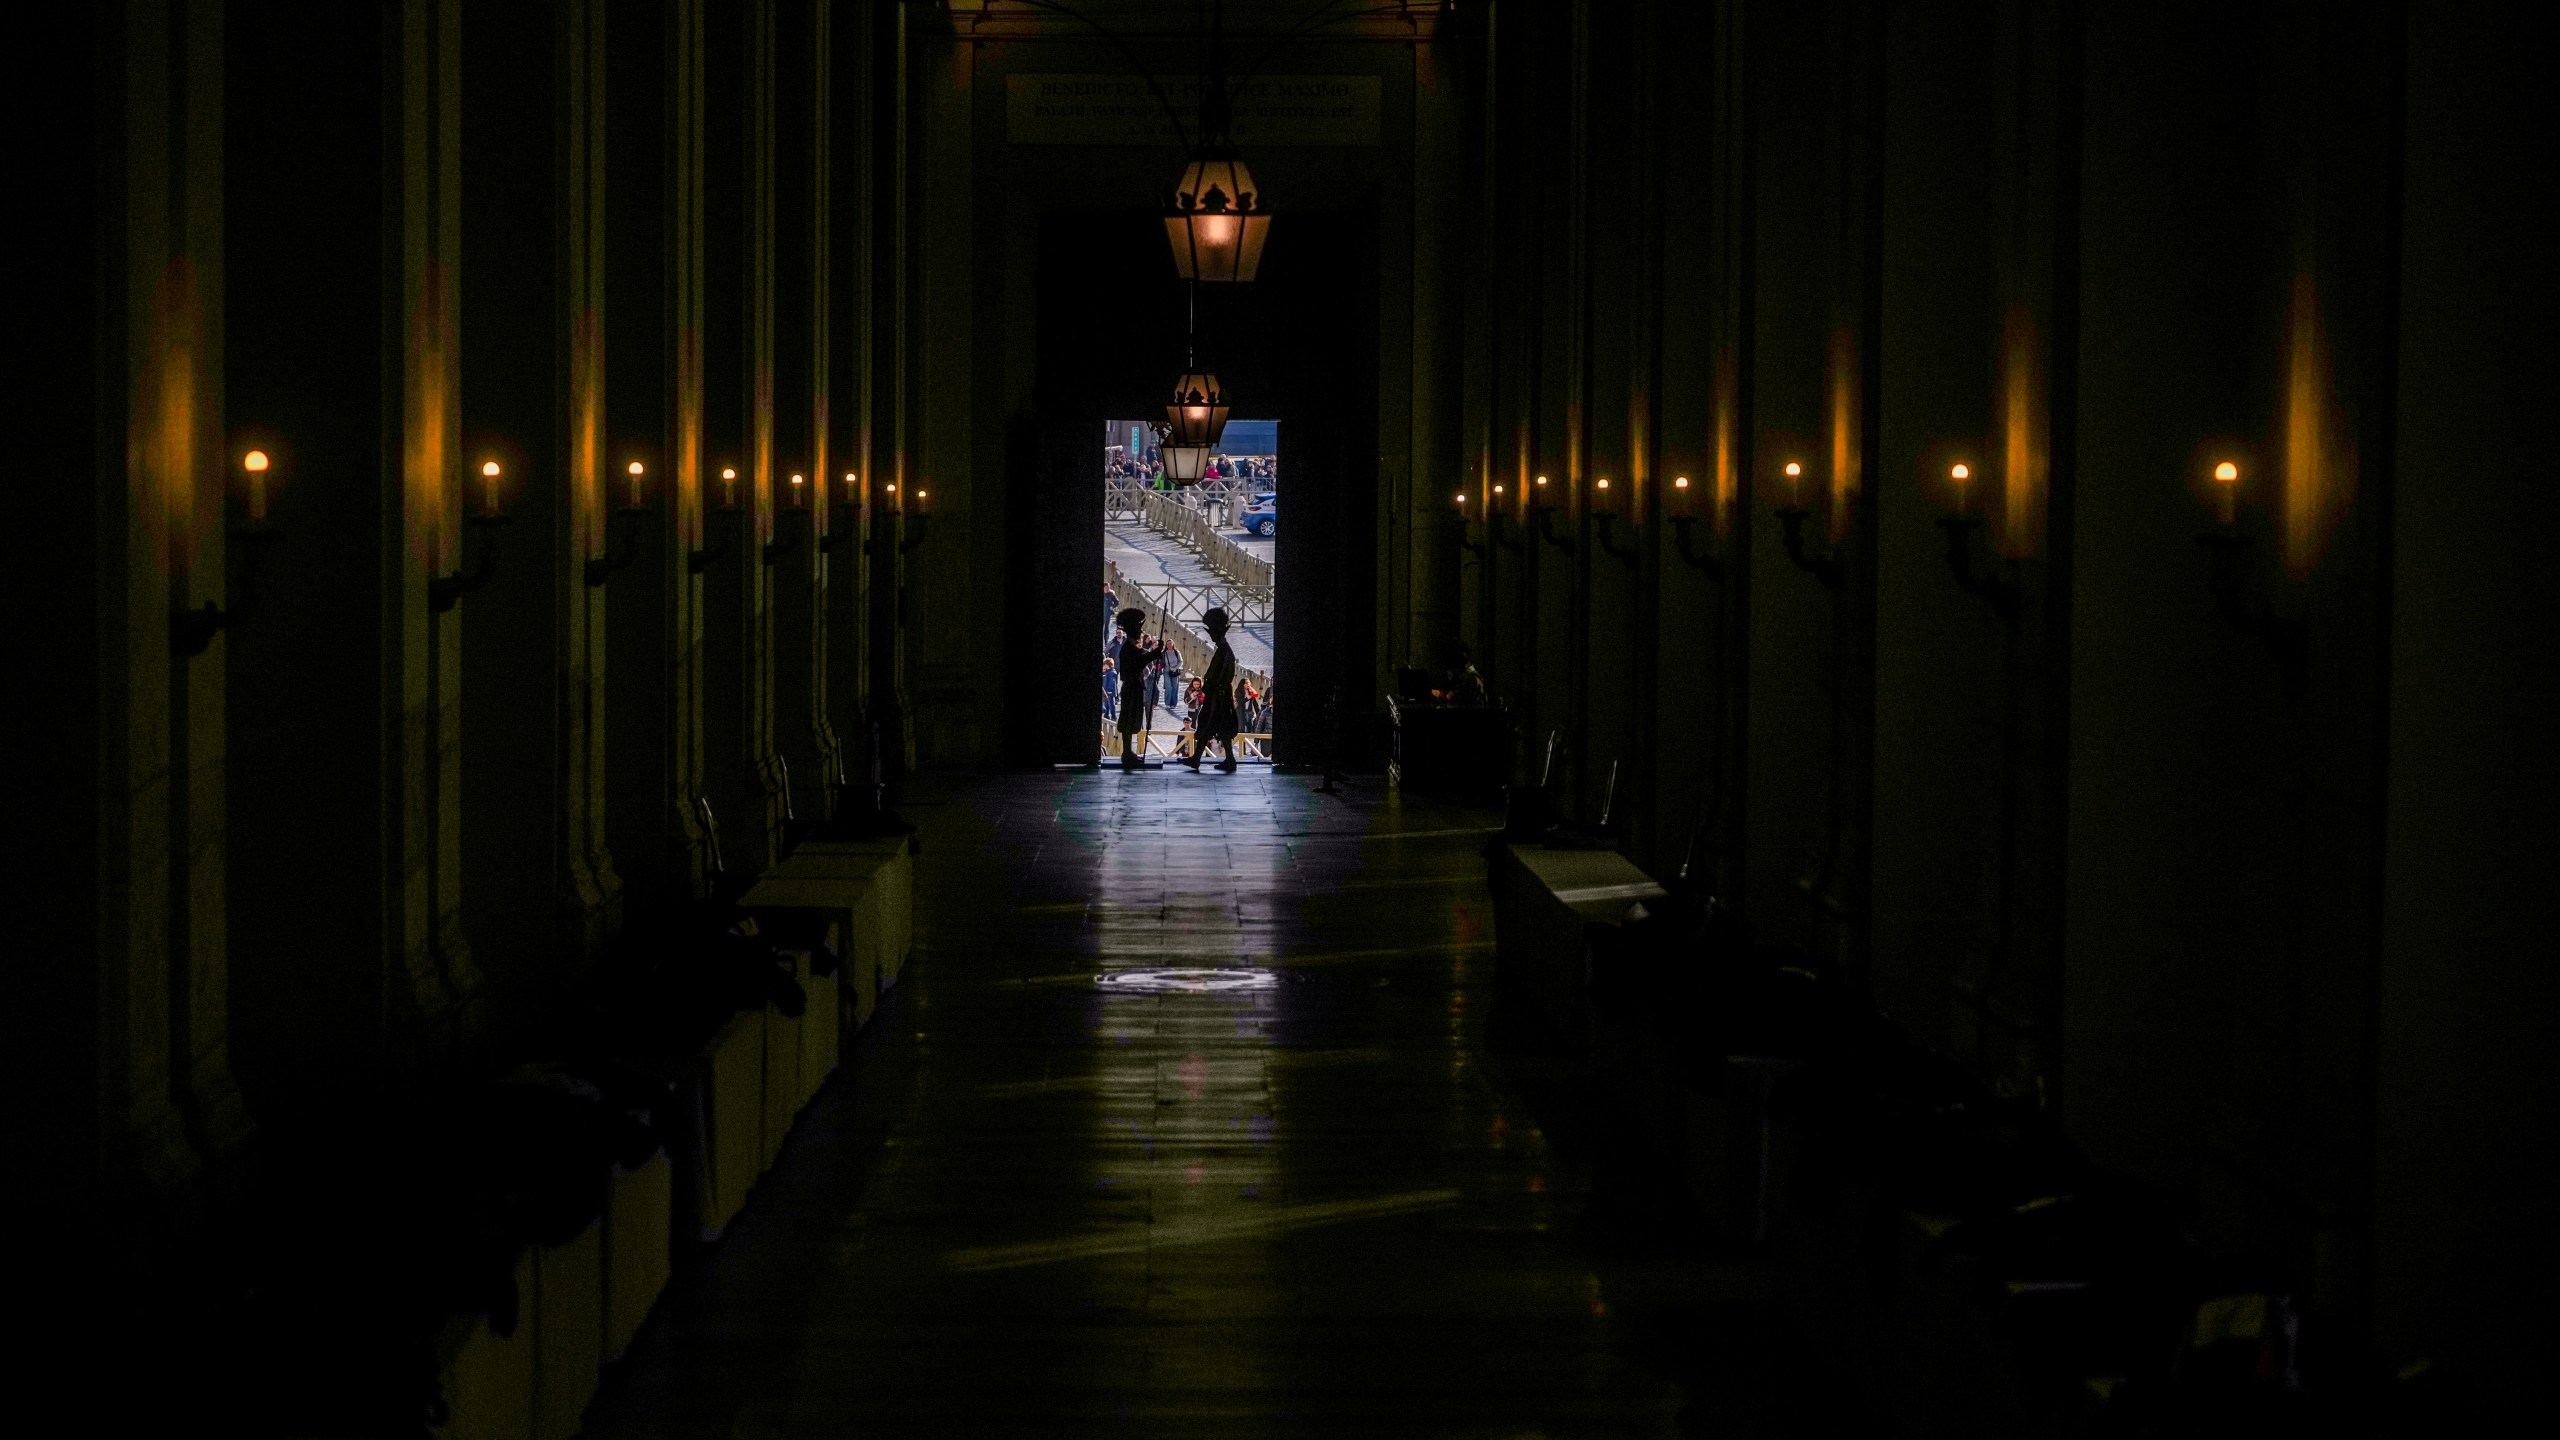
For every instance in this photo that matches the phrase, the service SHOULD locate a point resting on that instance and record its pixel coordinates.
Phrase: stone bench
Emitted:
(1544, 904)
(866, 888)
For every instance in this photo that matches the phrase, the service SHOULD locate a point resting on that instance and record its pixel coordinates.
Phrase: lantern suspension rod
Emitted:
(1180, 135)
(1315, 19)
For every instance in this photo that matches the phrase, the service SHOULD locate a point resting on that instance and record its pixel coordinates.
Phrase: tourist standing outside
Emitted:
(1110, 689)
(1133, 661)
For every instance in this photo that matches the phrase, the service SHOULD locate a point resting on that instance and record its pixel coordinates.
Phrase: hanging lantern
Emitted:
(1198, 414)
(1183, 464)
(1216, 223)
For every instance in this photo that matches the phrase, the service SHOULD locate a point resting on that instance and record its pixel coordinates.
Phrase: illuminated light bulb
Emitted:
(2226, 472)
(729, 474)
(1497, 489)
(1961, 472)
(638, 469)
(1794, 469)
(489, 469)
(1680, 482)
(255, 462)
(1604, 482)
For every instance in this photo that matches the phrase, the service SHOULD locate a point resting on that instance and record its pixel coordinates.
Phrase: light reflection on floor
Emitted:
(1184, 1128)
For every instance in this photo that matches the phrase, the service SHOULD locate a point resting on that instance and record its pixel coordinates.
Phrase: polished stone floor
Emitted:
(1190, 1119)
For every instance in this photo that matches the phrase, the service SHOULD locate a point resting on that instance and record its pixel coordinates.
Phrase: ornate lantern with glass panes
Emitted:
(1216, 221)
(1198, 412)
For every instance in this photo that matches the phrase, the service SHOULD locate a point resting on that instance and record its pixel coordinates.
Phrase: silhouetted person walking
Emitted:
(1217, 720)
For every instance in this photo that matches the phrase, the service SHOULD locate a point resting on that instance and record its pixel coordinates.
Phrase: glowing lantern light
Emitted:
(1216, 222)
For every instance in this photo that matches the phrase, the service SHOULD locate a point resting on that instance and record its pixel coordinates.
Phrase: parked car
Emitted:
(1262, 517)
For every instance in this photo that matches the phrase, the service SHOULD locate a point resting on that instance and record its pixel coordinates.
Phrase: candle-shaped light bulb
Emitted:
(1497, 489)
(255, 463)
(2226, 489)
(637, 470)
(489, 473)
(797, 490)
(924, 502)
(852, 494)
(729, 487)
(1959, 473)
(1795, 485)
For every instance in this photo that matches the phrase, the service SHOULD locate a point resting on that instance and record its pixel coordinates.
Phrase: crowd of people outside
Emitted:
(1148, 467)
(1142, 674)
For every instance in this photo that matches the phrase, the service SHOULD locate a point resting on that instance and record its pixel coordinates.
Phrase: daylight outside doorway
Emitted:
(1173, 553)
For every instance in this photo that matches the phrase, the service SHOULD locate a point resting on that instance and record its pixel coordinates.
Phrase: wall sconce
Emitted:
(1472, 547)
(1824, 568)
(2240, 589)
(444, 591)
(1542, 515)
(852, 501)
(923, 518)
(191, 632)
(1682, 525)
(700, 560)
(2000, 590)
(784, 543)
(1604, 519)
(1496, 516)
(619, 550)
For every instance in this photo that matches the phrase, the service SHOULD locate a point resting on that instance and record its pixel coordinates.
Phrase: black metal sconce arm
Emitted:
(1605, 532)
(192, 631)
(838, 533)
(619, 551)
(697, 561)
(1682, 526)
(1544, 519)
(1825, 568)
(444, 591)
(787, 541)
(2246, 607)
(2000, 590)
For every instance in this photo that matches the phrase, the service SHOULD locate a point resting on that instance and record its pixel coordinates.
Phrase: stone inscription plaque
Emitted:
(1120, 110)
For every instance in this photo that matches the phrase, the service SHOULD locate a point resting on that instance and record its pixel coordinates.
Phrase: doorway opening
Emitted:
(1174, 553)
